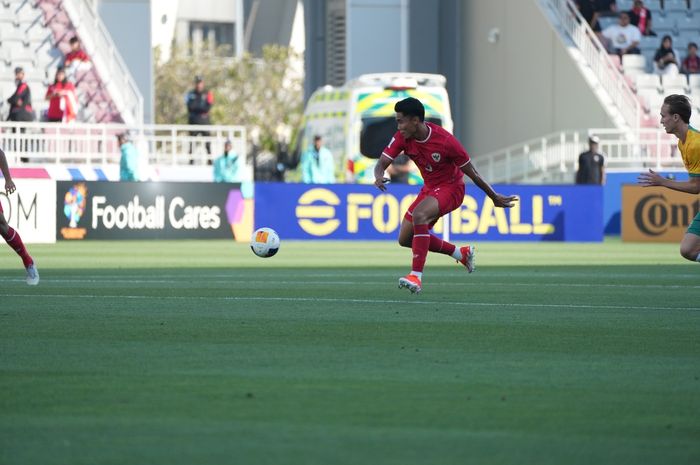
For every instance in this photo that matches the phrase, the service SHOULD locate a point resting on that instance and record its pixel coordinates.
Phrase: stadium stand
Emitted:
(35, 35)
(681, 20)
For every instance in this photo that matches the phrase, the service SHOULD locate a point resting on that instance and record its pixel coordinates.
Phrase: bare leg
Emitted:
(690, 247)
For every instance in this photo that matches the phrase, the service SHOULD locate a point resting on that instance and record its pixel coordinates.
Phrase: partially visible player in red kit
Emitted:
(442, 162)
(9, 234)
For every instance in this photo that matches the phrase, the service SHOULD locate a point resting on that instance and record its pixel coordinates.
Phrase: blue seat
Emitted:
(675, 5)
(649, 43)
(688, 26)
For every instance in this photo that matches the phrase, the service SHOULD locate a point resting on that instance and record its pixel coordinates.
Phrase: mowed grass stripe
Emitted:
(347, 300)
(148, 281)
(306, 361)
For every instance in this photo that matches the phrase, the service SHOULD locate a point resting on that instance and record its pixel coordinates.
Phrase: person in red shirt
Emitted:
(691, 63)
(640, 16)
(63, 103)
(76, 55)
(442, 162)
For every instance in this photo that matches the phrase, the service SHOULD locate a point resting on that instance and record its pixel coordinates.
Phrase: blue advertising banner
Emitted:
(362, 212)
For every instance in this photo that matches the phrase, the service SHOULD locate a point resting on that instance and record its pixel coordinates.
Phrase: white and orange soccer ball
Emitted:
(265, 242)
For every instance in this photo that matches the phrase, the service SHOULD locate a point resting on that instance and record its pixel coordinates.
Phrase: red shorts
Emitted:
(449, 197)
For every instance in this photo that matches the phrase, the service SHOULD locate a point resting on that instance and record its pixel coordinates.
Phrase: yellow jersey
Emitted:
(690, 151)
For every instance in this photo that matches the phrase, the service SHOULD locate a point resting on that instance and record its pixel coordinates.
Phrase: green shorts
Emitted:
(694, 227)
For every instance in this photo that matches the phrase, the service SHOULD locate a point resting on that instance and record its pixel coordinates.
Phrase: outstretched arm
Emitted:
(652, 178)
(9, 184)
(503, 201)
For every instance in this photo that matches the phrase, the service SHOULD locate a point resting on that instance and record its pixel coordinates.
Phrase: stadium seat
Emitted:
(633, 62)
(11, 36)
(649, 43)
(665, 32)
(695, 8)
(694, 81)
(688, 25)
(695, 100)
(606, 21)
(655, 103)
(632, 74)
(648, 81)
(674, 80)
(624, 5)
(661, 23)
(653, 5)
(673, 18)
(676, 5)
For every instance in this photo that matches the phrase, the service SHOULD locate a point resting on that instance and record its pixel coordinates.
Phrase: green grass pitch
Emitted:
(195, 352)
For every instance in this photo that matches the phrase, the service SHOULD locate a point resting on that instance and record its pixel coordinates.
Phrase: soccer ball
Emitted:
(265, 242)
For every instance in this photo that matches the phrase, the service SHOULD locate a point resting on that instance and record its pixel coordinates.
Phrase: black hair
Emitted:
(679, 105)
(692, 44)
(73, 40)
(410, 107)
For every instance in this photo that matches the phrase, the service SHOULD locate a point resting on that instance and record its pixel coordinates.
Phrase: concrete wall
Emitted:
(523, 85)
(129, 24)
(376, 34)
(272, 23)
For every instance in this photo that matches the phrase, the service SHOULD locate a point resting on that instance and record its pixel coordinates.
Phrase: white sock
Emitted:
(417, 273)
(457, 254)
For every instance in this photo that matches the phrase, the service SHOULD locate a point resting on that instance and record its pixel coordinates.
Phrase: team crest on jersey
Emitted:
(435, 156)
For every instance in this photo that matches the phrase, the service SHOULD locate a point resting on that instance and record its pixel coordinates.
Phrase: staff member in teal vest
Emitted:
(227, 168)
(317, 164)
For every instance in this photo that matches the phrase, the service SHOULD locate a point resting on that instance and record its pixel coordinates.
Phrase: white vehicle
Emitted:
(357, 120)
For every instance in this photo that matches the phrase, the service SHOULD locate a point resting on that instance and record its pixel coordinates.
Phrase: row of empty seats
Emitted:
(664, 6)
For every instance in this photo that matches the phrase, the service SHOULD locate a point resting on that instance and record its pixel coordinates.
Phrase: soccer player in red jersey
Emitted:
(9, 234)
(443, 162)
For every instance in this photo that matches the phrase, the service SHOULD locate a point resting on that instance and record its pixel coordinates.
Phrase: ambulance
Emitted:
(358, 120)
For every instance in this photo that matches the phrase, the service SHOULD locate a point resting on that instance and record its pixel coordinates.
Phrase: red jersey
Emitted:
(77, 55)
(439, 157)
(65, 107)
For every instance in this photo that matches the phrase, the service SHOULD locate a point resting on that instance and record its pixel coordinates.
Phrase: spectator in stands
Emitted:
(591, 10)
(21, 101)
(691, 63)
(20, 107)
(317, 164)
(640, 16)
(606, 7)
(63, 103)
(665, 61)
(623, 38)
(227, 168)
(76, 59)
(129, 161)
(199, 102)
(591, 164)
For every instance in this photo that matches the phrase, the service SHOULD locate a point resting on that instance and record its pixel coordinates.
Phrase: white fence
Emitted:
(554, 158)
(56, 143)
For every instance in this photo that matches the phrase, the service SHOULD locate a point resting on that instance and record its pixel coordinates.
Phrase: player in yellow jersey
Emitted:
(675, 118)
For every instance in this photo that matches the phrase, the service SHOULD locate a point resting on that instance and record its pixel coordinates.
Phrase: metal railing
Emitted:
(78, 143)
(106, 58)
(596, 56)
(554, 158)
